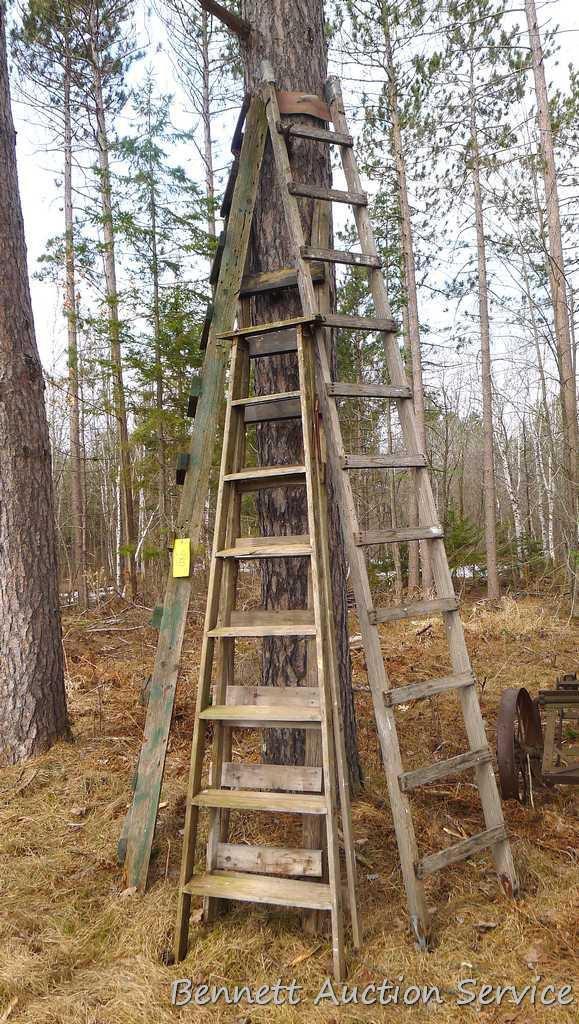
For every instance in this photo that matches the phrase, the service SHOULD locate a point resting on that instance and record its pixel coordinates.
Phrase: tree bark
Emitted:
(32, 696)
(489, 486)
(101, 138)
(206, 118)
(557, 282)
(409, 273)
(76, 495)
(290, 35)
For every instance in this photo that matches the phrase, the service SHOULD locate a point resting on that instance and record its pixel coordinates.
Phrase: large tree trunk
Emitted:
(76, 490)
(409, 276)
(32, 698)
(489, 486)
(126, 483)
(557, 282)
(290, 35)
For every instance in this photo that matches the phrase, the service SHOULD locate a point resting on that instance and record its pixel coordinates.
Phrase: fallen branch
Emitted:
(238, 25)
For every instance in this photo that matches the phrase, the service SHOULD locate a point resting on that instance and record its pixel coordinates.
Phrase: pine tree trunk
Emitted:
(489, 486)
(128, 511)
(290, 35)
(206, 118)
(77, 505)
(32, 697)
(411, 293)
(557, 282)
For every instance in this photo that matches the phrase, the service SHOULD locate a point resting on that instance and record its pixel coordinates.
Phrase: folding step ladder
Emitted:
(385, 699)
(288, 877)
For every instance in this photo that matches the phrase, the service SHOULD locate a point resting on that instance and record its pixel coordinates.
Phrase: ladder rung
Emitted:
(303, 131)
(429, 688)
(270, 860)
(262, 408)
(441, 770)
(342, 390)
(460, 851)
(268, 476)
(268, 623)
(409, 460)
(356, 259)
(288, 778)
(360, 323)
(277, 695)
(415, 610)
(331, 195)
(398, 536)
(271, 280)
(268, 547)
(276, 344)
(259, 717)
(283, 892)
(251, 800)
(273, 325)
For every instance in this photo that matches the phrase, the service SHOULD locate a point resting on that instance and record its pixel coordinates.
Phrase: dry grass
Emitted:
(76, 949)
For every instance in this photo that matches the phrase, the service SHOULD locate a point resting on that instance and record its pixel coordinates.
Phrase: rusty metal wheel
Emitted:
(519, 744)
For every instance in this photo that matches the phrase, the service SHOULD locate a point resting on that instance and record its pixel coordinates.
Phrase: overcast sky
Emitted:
(39, 169)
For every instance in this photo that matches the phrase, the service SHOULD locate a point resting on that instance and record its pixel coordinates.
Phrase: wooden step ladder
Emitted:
(385, 699)
(288, 877)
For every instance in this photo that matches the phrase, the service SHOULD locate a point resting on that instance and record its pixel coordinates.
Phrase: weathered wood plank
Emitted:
(267, 716)
(401, 535)
(414, 610)
(442, 769)
(270, 327)
(302, 131)
(361, 323)
(330, 195)
(460, 851)
(303, 103)
(268, 547)
(356, 259)
(289, 778)
(272, 344)
(269, 860)
(278, 695)
(338, 389)
(254, 800)
(429, 688)
(190, 516)
(281, 892)
(255, 284)
(406, 460)
(262, 476)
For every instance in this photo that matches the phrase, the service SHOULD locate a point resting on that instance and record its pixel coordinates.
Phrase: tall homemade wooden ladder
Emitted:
(266, 874)
(385, 699)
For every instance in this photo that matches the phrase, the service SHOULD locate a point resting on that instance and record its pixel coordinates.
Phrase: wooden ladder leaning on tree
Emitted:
(329, 393)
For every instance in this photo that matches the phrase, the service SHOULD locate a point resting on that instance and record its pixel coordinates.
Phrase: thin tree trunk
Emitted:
(409, 269)
(290, 35)
(557, 280)
(490, 497)
(128, 512)
(78, 549)
(159, 390)
(206, 118)
(32, 696)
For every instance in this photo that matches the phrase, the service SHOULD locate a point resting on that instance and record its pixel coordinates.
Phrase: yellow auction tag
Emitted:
(181, 556)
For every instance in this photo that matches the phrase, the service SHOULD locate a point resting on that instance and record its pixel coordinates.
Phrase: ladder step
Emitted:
(247, 717)
(331, 195)
(289, 778)
(441, 770)
(276, 695)
(360, 323)
(415, 610)
(343, 390)
(408, 460)
(274, 325)
(250, 800)
(276, 344)
(270, 860)
(283, 892)
(356, 259)
(268, 547)
(418, 691)
(460, 851)
(302, 131)
(298, 622)
(268, 476)
(398, 536)
(272, 280)
(262, 408)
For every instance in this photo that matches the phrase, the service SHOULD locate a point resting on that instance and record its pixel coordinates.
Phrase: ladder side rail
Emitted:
(143, 813)
(485, 776)
(328, 750)
(378, 680)
(205, 672)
